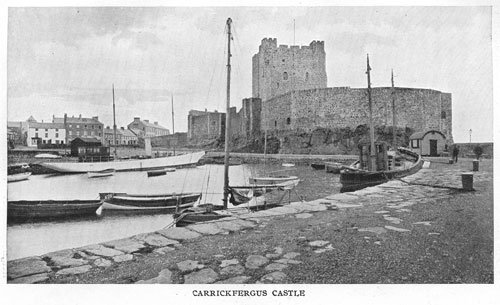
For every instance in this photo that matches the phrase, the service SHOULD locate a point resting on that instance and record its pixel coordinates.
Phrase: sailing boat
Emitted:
(376, 165)
(235, 195)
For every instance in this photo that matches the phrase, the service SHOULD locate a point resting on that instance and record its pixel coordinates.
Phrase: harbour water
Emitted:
(28, 239)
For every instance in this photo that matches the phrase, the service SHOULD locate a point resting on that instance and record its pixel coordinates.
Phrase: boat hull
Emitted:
(333, 168)
(167, 203)
(318, 166)
(51, 209)
(18, 177)
(353, 180)
(272, 180)
(104, 173)
(125, 165)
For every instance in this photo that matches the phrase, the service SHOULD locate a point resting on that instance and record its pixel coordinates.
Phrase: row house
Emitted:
(81, 127)
(123, 137)
(145, 129)
(45, 133)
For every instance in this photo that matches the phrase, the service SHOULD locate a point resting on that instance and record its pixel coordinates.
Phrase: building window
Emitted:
(57, 135)
(285, 76)
(70, 132)
(77, 126)
(277, 85)
(443, 114)
(288, 121)
(275, 123)
(36, 135)
(70, 125)
(78, 133)
(415, 143)
(36, 129)
(57, 141)
(85, 126)
(46, 135)
(307, 76)
(46, 129)
(43, 141)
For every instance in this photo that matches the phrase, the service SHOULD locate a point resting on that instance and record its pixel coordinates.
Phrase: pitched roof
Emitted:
(421, 134)
(78, 120)
(46, 125)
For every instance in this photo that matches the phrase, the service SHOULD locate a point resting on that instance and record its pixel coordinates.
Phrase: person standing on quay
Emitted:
(455, 153)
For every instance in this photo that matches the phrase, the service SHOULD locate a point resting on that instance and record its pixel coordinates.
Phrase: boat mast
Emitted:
(393, 111)
(228, 121)
(173, 126)
(114, 120)
(372, 163)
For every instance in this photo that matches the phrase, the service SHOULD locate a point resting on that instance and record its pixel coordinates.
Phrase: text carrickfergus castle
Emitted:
(289, 88)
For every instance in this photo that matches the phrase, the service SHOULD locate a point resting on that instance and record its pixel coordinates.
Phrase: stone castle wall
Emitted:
(418, 109)
(278, 70)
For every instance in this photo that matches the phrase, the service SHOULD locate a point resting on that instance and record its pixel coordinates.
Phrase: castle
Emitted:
(290, 93)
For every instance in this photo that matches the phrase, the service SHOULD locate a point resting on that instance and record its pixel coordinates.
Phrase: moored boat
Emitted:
(27, 210)
(318, 166)
(149, 203)
(333, 167)
(103, 173)
(18, 177)
(160, 172)
(353, 179)
(126, 165)
(274, 180)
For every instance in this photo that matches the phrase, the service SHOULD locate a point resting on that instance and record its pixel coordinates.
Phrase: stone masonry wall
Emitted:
(419, 109)
(278, 70)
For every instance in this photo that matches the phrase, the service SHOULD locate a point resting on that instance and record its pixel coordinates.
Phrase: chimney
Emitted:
(95, 118)
(107, 127)
(80, 116)
(216, 111)
(122, 128)
(147, 121)
(137, 119)
(156, 123)
(205, 109)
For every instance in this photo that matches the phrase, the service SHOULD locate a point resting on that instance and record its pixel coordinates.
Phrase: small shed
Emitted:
(79, 146)
(428, 143)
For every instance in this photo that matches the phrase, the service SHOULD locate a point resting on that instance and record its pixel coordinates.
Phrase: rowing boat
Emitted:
(149, 203)
(103, 173)
(50, 209)
(18, 177)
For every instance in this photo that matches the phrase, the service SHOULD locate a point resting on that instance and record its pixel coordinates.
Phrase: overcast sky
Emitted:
(65, 60)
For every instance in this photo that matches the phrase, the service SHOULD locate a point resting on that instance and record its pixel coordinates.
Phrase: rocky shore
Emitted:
(421, 229)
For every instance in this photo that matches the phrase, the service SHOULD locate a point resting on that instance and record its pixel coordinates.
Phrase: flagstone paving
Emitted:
(397, 196)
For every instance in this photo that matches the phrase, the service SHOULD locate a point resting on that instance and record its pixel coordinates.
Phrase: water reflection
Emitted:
(29, 239)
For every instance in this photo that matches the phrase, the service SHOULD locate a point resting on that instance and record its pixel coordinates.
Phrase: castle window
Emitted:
(288, 121)
(443, 114)
(285, 76)
(275, 123)
(283, 60)
(307, 76)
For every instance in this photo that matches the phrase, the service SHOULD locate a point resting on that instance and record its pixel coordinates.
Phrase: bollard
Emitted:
(475, 165)
(468, 181)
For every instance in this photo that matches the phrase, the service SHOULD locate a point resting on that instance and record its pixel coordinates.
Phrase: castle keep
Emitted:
(278, 70)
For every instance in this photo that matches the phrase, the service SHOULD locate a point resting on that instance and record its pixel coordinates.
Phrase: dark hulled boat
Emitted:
(26, 210)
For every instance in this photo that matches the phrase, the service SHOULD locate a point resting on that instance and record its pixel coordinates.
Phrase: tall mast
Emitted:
(114, 119)
(393, 93)
(228, 121)
(173, 126)
(372, 164)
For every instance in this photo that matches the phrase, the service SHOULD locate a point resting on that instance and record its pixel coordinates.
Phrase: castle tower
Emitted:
(278, 70)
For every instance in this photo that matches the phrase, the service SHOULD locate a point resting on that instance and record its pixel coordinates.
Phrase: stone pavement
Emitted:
(395, 197)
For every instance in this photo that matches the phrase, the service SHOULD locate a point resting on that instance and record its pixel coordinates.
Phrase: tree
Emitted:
(478, 151)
